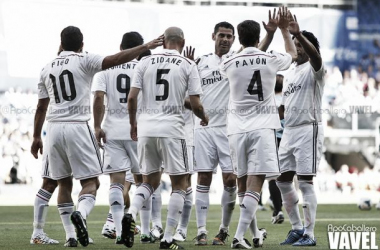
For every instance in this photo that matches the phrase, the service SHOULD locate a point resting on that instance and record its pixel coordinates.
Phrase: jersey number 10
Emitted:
(63, 86)
(256, 78)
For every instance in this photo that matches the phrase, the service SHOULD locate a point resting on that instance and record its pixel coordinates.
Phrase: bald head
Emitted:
(174, 38)
(173, 34)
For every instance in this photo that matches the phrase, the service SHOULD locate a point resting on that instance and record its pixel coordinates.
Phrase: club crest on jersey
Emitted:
(292, 87)
(216, 77)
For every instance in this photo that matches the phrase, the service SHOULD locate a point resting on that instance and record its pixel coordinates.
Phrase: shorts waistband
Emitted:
(66, 122)
(305, 124)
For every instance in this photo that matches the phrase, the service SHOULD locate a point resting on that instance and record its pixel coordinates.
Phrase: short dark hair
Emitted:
(144, 54)
(249, 32)
(226, 25)
(71, 38)
(311, 38)
(131, 40)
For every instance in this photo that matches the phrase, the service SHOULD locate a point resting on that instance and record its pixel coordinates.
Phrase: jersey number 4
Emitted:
(256, 78)
(62, 84)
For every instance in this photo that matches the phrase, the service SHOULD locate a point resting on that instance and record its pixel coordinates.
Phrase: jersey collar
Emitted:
(251, 49)
(65, 53)
(171, 51)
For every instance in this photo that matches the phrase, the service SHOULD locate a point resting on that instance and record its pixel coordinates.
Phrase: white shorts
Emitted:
(45, 163)
(190, 158)
(121, 156)
(172, 152)
(255, 153)
(211, 148)
(73, 150)
(301, 149)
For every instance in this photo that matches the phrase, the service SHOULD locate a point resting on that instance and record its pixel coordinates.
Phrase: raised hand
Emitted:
(283, 20)
(156, 42)
(272, 24)
(294, 28)
(189, 53)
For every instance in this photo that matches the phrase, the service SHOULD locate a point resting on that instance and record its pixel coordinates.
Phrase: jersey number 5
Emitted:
(62, 84)
(256, 78)
(119, 86)
(161, 72)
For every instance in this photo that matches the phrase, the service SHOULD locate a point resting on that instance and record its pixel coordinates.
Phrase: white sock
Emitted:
(116, 201)
(41, 206)
(253, 226)
(202, 203)
(175, 206)
(65, 210)
(228, 206)
(290, 202)
(110, 221)
(142, 194)
(309, 206)
(247, 212)
(145, 214)
(186, 213)
(156, 208)
(86, 203)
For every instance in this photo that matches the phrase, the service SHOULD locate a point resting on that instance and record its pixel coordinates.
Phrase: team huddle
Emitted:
(172, 125)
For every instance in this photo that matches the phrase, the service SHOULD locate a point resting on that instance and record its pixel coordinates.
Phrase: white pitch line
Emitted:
(348, 220)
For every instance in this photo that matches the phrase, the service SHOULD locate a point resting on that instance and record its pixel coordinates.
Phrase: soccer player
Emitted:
(253, 118)
(275, 194)
(163, 80)
(120, 152)
(301, 144)
(211, 143)
(65, 84)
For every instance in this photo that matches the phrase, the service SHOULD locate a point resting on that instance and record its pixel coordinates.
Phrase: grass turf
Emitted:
(16, 227)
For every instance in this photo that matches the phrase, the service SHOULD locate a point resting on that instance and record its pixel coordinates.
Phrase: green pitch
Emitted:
(16, 227)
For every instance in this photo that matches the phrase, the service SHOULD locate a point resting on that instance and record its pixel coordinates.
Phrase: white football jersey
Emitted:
(67, 82)
(302, 95)
(164, 79)
(215, 88)
(252, 77)
(116, 83)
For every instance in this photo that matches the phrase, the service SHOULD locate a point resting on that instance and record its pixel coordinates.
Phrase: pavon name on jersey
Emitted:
(252, 61)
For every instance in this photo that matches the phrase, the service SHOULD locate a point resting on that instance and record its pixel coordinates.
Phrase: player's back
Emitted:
(67, 80)
(116, 83)
(164, 80)
(252, 76)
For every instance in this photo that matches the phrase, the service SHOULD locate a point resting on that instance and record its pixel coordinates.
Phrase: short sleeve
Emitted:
(318, 75)
(42, 91)
(93, 63)
(283, 60)
(100, 82)
(138, 76)
(194, 83)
